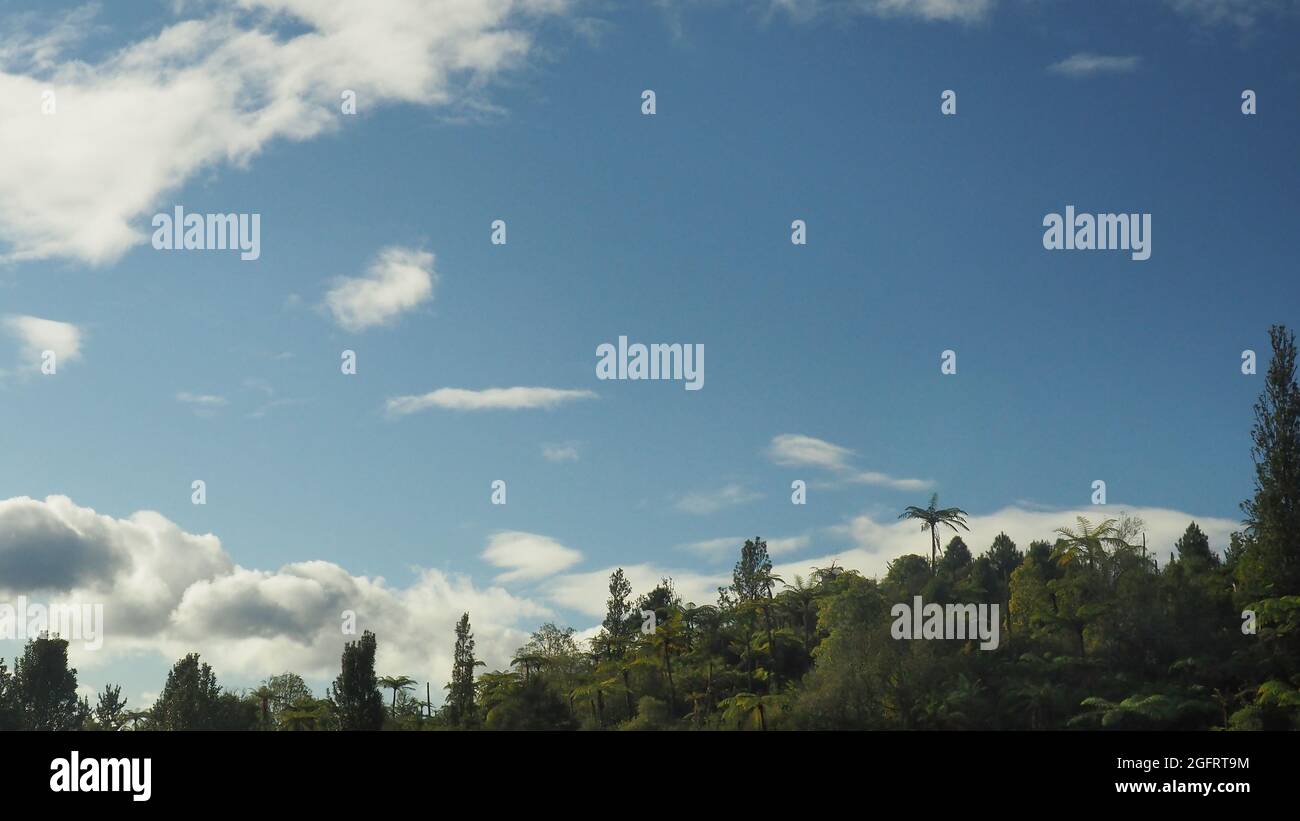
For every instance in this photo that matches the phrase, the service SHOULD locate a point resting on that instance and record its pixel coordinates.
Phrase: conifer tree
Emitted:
(356, 690)
(460, 698)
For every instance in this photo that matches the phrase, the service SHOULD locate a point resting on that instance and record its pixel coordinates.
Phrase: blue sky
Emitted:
(822, 360)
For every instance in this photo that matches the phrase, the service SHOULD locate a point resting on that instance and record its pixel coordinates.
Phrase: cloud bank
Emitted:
(167, 592)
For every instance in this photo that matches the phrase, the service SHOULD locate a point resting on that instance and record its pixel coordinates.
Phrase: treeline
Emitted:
(1094, 633)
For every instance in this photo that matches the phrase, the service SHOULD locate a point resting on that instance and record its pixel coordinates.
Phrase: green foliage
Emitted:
(620, 624)
(355, 693)
(461, 710)
(1270, 565)
(46, 689)
(192, 699)
(934, 517)
(286, 690)
(11, 706)
(307, 713)
(398, 684)
(110, 709)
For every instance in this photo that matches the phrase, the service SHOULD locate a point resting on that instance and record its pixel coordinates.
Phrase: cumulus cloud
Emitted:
(37, 335)
(1084, 64)
(398, 280)
(256, 622)
(213, 91)
(461, 399)
(711, 501)
(797, 450)
(143, 563)
(527, 556)
(168, 592)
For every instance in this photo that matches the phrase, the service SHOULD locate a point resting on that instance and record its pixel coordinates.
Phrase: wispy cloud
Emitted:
(1085, 64)
(956, 11)
(1243, 14)
(37, 335)
(871, 477)
(266, 407)
(730, 546)
(398, 280)
(566, 452)
(207, 400)
(461, 399)
(798, 450)
(527, 556)
(711, 501)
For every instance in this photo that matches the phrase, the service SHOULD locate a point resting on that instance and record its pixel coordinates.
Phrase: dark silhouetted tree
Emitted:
(47, 688)
(189, 699)
(110, 709)
(356, 693)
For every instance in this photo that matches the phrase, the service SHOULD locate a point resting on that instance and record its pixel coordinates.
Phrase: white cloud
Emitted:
(266, 407)
(730, 546)
(168, 592)
(713, 547)
(205, 400)
(528, 556)
(711, 501)
(871, 477)
(213, 91)
(1243, 14)
(1087, 65)
(461, 399)
(38, 335)
(797, 450)
(957, 11)
(567, 452)
(398, 280)
(27, 43)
